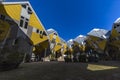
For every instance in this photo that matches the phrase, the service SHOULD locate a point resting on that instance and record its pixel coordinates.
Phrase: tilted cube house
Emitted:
(21, 33)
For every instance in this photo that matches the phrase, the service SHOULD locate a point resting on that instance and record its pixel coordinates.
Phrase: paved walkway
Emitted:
(109, 70)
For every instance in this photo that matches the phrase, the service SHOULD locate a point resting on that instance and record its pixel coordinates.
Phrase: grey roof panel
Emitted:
(80, 39)
(49, 31)
(98, 33)
(117, 21)
(70, 42)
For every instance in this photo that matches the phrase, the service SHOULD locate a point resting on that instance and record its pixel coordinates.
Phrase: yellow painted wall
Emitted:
(90, 42)
(35, 37)
(4, 27)
(11, 10)
(51, 37)
(34, 22)
(57, 47)
(58, 40)
(102, 44)
(14, 12)
(114, 33)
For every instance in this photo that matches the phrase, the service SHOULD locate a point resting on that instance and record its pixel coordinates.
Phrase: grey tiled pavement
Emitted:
(61, 71)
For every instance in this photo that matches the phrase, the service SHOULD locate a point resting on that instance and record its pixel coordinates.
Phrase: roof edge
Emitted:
(21, 2)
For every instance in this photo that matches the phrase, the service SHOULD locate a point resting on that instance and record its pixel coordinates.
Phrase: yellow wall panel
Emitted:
(102, 44)
(57, 47)
(34, 22)
(51, 36)
(4, 28)
(36, 38)
(114, 33)
(115, 43)
(13, 11)
(58, 40)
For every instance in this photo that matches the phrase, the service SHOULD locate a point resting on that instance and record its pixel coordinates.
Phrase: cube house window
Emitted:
(26, 25)
(21, 23)
(37, 30)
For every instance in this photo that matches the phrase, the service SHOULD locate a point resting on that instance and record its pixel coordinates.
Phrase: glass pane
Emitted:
(21, 23)
(37, 30)
(26, 25)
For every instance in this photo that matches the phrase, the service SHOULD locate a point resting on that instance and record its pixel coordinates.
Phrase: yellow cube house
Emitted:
(55, 43)
(97, 39)
(113, 47)
(21, 33)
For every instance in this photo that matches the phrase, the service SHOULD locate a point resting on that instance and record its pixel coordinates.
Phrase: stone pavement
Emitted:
(104, 70)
